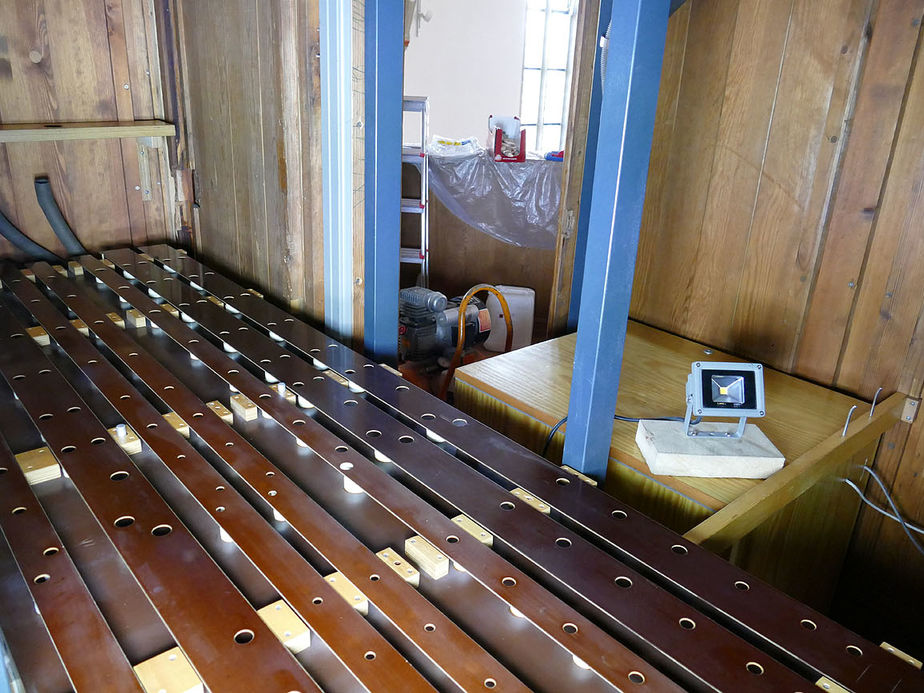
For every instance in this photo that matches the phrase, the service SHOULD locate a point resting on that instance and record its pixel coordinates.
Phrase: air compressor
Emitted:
(428, 324)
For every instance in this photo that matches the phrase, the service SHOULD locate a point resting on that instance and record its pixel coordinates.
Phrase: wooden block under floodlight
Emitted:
(393, 560)
(286, 625)
(168, 672)
(135, 317)
(126, 438)
(221, 410)
(426, 557)
(669, 451)
(349, 592)
(243, 407)
(583, 477)
(75, 267)
(473, 528)
(39, 465)
(39, 335)
(532, 501)
(117, 319)
(180, 426)
(81, 327)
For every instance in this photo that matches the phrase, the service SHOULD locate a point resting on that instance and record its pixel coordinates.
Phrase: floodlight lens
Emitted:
(728, 389)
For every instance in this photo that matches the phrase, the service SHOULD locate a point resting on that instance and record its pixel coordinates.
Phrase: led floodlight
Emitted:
(724, 389)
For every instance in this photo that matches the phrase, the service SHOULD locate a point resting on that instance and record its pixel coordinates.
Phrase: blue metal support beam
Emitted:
(630, 93)
(384, 75)
(336, 24)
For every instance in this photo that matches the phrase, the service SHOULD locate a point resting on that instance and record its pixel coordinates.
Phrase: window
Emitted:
(547, 52)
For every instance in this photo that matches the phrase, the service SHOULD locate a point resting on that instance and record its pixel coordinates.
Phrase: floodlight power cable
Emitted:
(616, 417)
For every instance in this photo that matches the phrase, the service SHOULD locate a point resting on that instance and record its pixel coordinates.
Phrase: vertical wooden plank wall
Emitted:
(83, 60)
(783, 222)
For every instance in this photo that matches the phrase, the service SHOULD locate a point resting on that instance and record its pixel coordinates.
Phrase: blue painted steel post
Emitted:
(630, 95)
(336, 25)
(384, 45)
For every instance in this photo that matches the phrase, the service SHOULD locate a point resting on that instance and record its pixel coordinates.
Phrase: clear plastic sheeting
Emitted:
(516, 203)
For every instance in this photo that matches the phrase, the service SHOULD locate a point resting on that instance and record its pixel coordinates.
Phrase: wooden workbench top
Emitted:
(537, 381)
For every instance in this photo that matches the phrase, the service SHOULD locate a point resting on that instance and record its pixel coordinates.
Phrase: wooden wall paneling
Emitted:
(663, 268)
(314, 228)
(806, 137)
(572, 176)
(872, 131)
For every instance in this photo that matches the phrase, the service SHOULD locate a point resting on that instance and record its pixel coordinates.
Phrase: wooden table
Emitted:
(791, 529)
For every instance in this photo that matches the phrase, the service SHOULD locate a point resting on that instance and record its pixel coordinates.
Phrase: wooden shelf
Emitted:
(52, 132)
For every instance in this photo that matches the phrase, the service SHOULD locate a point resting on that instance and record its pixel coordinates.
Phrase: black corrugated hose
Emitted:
(47, 202)
(24, 243)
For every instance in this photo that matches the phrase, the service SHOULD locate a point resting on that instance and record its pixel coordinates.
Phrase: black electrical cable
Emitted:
(53, 213)
(616, 417)
(24, 243)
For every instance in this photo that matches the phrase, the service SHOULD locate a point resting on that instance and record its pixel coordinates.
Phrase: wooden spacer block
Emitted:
(243, 407)
(117, 319)
(221, 410)
(29, 274)
(39, 465)
(826, 684)
(39, 335)
(394, 371)
(145, 256)
(170, 309)
(916, 663)
(286, 625)
(426, 557)
(109, 263)
(669, 451)
(168, 672)
(127, 440)
(393, 560)
(255, 293)
(135, 317)
(180, 426)
(583, 477)
(350, 592)
(532, 501)
(75, 267)
(81, 327)
(336, 377)
(473, 528)
(60, 270)
(216, 301)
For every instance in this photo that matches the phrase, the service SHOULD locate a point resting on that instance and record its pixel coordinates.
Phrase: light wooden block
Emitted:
(473, 528)
(222, 411)
(117, 319)
(349, 592)
(243, 407)
(180, 426)
(916, 663)
(39, 335)
(668, 451)
(81, 327)
(426, 557)
(217, 301)
(135, 317)
(128, 441)
(255, 293)
(60, 270)
(29, 274)
(826, 684)
(170, 309)
(168, 672)
(393, 560)
(583, 477)
(75, 267)
(532, 501)
(39, 465)
(286, 625)
(109, 263)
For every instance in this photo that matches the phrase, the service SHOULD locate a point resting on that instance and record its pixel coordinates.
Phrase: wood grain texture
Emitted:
(77, 62)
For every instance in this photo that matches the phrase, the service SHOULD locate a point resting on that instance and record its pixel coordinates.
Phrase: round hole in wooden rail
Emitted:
(120, 475)
(68, 448)
(298, 422)
(181, 457)
(623, 581)
(854, 650)
(193, 341)
(679, 550)
(198, 415)
(45, 371)
(563, 542)
(346, 466)
(98, 322)
(45, 417)
(50, 551)
(97, 441)
(152, 426)
(429, 627)
(754, 668)
(742, 586)
(168, 387)
(402, 388)
(297, 383)
(3, 470)
(636, 677)
(18, 510)
(570, 628)
(562, 481)
(272, 492)
(92, 361)
(452, 539)
(124, 521)
(509, 582)
(490, 683)
(219, 488)
(427, 417)
(375, 577)
(220, 509)
(808, 624)
(271, 474)
(318, 378)
(350, 371)
(460, 422)
(233, 371)
(317, 601)
(161, 530)
(264, 396)
(71, 410)
(687, 623)
(19, 377)
(407, 440)
(243, 636)
(17, 335)
(155, 310)
(374, 433)
(350, 402)
(125, 396)
(370, 655)
(132, 354)
(39, 579)
(266, 361)
(341, 448)
(507, 505)
(229, 444)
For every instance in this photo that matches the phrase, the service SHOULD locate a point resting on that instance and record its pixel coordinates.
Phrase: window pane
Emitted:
(551, 139)
(562, 5)
(556, 42)
(530, 138)
(529, 106)
(554, 96)
(537, 4)
(535, 28)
